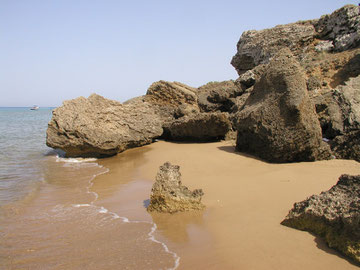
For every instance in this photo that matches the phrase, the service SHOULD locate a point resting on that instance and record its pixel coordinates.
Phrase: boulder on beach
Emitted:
(168, 195)
(199, 127)
(278, 122)
(98, 127)
(171, 100)
(333, 215)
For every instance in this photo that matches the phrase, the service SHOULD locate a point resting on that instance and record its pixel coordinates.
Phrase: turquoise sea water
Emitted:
(22, 149)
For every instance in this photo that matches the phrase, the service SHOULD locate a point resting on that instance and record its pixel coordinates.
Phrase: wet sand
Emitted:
(246, 200)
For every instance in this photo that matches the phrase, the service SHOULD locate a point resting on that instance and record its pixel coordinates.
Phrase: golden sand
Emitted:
(246, 200)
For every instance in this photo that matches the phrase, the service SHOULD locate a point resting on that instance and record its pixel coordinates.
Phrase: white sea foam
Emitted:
(81, 205)
(103, 210)
(74, 160)
(152, 238)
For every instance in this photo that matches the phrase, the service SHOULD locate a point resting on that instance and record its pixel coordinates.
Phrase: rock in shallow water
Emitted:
(333, 215)
(168, 195)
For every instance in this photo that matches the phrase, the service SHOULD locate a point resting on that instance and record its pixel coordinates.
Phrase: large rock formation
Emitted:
(336, 32)
(333, 215)
(168, 195)
(278, 121)
(98, 127)
(328, 51)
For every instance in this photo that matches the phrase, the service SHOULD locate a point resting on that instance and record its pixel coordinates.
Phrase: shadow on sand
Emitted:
(321, 244)
(231, 149)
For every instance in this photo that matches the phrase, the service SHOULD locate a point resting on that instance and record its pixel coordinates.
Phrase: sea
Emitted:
(51, 214)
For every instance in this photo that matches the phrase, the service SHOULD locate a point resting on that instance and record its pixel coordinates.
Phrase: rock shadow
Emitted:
(146, 203)
(321, 244)
(350, 69)
(232, 149)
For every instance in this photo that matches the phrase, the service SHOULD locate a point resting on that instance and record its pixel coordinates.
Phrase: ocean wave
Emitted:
(74, 160)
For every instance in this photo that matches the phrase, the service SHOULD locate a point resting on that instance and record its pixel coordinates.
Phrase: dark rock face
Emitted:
(217, 96)
(339, 115)
(339, 109)
(278, 121)
(329, 114)
(97, 127)
(333, 215)
(168, 195)
(347, 146)
(199, 127)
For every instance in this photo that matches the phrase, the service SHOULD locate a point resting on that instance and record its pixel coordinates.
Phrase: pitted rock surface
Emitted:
(333, 215)
(168, 195)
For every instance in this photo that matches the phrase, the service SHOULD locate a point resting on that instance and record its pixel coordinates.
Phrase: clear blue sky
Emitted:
(55, 50)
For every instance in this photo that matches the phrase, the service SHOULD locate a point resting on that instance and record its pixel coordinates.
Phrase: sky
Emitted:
(55, 50)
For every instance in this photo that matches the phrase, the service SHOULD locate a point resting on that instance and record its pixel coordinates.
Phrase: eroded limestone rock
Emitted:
(217, 96)
(258, 47)
(278, 122)
(333, 215)
(199, 127)
(97, 127)
(168, 195)
(342, 27)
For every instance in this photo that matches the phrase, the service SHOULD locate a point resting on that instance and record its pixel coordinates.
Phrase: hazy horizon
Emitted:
(58, 50)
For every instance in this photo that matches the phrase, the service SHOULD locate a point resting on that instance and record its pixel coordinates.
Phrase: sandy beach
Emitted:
(246, 200)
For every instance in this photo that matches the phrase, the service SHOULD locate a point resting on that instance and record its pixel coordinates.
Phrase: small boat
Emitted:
(34, 108)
